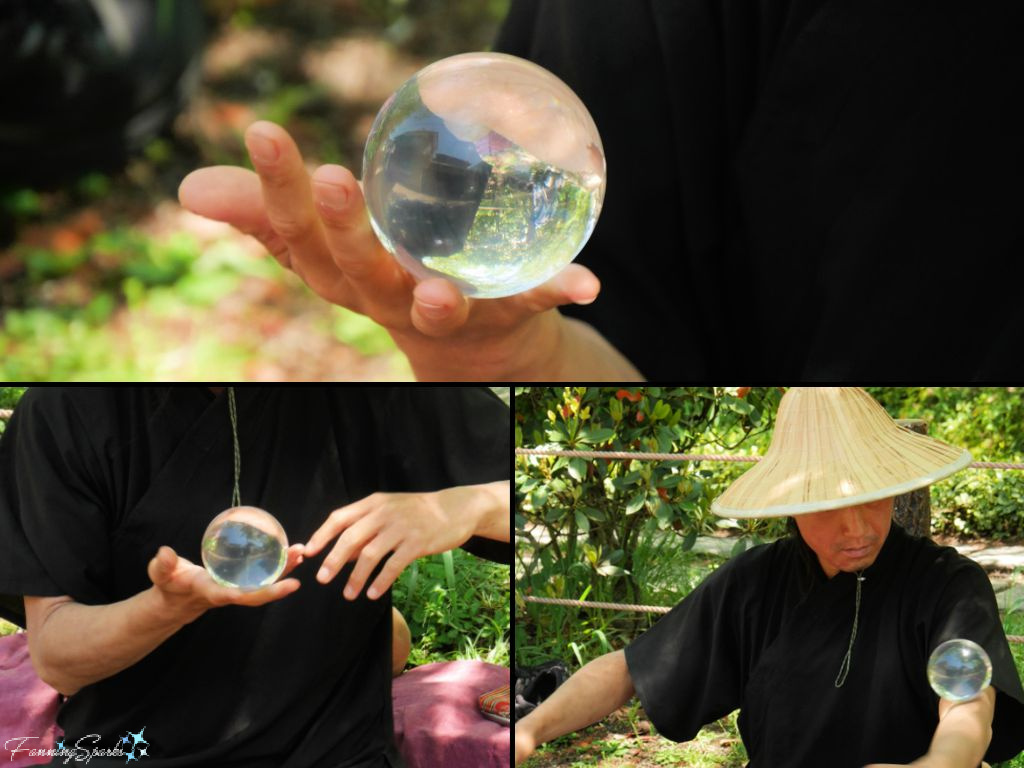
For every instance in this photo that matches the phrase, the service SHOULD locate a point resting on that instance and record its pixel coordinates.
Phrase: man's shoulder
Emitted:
(757, 561)
(929, 562)
(48, 416)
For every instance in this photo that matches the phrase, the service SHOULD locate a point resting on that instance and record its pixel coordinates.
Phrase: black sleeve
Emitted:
(967, 609)
(685, 668)
(441, 437)
(53, 513)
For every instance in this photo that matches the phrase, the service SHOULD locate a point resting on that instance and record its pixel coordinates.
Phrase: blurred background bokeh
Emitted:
(110, 103)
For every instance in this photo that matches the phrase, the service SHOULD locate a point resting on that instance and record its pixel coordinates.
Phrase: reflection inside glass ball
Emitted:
(245, 547)
(485, 169)
(959, 670)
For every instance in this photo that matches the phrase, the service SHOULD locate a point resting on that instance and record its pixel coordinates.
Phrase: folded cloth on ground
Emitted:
(495, 705)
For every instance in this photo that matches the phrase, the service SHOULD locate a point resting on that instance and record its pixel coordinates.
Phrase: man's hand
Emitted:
(962, 736)
(409, 525)
(317, 226)
(185, 590)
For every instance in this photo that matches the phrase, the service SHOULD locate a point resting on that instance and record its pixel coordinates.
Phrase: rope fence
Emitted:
(642, 456)
(643, 608)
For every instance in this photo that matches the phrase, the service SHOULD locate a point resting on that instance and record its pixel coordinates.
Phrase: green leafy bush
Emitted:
(456, 605)
(987, 421)
(580, 522)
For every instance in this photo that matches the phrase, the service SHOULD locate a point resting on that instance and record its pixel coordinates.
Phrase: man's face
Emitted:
(847, 539)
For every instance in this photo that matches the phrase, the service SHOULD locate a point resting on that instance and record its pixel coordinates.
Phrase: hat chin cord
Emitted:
(845, 666)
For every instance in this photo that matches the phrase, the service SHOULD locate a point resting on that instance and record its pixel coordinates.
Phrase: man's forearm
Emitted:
(597, 690)
(492, 506)
(77, 645)
(964, 732)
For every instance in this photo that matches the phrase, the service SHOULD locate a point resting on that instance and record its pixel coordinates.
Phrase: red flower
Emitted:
(742, 391)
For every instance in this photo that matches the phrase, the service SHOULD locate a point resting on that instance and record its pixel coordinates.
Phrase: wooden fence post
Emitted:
(913, 510)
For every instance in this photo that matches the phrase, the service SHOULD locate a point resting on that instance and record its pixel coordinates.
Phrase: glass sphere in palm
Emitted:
(485, 169)
(245, 547)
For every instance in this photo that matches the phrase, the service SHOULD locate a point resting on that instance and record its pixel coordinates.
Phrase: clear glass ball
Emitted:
(245, 547)
(959, 670)
(485, 169)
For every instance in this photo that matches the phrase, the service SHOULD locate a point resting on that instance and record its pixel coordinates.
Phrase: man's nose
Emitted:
(854, 523)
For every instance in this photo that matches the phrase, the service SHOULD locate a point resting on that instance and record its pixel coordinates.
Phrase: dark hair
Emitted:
(807, 557)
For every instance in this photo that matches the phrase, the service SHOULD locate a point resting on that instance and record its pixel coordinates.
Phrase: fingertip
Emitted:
(438, 307)
(265, 128)
(438, 291)
(335, 174)
(187, 185)
(581, 286)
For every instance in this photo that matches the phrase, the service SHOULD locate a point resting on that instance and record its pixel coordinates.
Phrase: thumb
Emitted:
(162, 566)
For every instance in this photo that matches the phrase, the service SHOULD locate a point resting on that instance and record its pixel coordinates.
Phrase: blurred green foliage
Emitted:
(987, 421)
(105, 303)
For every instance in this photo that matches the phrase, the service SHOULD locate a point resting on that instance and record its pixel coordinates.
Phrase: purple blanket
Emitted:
(437, 721)
(28, 706)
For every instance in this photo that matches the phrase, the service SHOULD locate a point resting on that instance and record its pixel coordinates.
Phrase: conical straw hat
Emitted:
(836, 447)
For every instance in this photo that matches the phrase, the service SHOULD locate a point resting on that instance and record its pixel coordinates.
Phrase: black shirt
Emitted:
(94, 480)
(811, 189)
(767, 632)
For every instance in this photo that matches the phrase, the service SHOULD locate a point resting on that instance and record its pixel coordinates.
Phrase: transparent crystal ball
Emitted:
(245, 547)
(959, 670)
(485, 169)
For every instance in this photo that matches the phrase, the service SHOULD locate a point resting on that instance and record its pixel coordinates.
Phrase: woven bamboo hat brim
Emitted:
(836, 447)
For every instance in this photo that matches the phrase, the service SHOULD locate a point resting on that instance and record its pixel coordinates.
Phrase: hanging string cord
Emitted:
(845, 667)
(236, 498)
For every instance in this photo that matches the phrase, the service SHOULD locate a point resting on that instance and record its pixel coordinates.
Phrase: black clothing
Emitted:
(767, 632)
(795, 184)
(94, 480)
